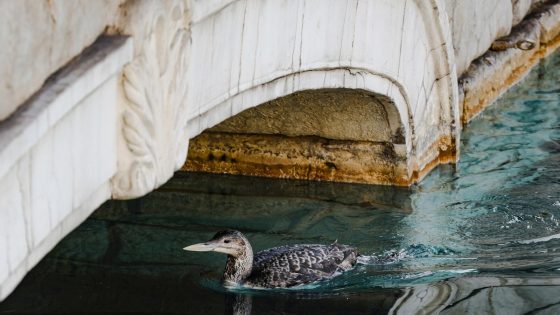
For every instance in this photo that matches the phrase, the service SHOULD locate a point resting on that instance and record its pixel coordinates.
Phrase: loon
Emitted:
(278, 267)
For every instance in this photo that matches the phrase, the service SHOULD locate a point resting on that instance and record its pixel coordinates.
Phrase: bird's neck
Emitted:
(240, 267)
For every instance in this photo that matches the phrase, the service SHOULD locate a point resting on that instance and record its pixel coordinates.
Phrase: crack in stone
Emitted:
(241, 52)
(342, 36)
(301, 34)
(256, 44)
(402, 40)
(354, 32)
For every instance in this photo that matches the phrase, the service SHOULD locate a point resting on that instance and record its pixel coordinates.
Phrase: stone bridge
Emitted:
(383, 102)
(99, 99)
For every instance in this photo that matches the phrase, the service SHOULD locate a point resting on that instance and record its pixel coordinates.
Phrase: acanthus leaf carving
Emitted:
(154, 119)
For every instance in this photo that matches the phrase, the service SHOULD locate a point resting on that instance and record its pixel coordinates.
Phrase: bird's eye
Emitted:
(227, 241)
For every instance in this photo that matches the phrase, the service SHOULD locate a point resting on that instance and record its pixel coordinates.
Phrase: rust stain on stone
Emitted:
(447, 154)
(309, 158)
(304, 157)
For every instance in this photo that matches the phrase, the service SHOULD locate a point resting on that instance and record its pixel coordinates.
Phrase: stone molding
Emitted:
(154, 118)
(60, 94)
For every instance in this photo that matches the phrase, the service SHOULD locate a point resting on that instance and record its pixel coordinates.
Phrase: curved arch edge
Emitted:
(325, 78)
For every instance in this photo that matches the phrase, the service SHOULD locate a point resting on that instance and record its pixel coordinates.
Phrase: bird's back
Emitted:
(292, 265)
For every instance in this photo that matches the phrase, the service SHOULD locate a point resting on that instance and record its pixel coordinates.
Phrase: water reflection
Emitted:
(128, 255)
(482, 295)
(238, 304)
(468, 295)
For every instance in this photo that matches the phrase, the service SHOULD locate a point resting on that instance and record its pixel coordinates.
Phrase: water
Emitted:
(482, 236)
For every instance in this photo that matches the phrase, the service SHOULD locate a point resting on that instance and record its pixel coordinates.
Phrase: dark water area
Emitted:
(479, 237)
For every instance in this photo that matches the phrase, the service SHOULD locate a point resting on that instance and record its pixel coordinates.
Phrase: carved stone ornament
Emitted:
(155, 114)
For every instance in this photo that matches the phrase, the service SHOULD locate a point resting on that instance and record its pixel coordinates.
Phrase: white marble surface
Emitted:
(39, 37)
(13, 241)
(520, 8)
(21, 131)
(202, 9)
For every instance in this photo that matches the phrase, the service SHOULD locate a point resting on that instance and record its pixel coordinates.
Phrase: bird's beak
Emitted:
(201, 247)
(211, 246)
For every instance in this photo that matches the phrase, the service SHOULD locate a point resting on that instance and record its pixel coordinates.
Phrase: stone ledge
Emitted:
(60, 93)
(509, 60)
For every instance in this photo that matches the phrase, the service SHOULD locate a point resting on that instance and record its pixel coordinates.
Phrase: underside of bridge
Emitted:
(329, 134)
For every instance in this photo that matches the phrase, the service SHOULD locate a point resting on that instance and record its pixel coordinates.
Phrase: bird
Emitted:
(278, 267)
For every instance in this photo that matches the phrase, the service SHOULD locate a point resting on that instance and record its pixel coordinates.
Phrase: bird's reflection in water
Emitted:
(238, 304)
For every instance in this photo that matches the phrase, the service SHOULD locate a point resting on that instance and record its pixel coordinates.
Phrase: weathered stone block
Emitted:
(58, 154)
(12, 223)
(94, 148)
(332, 114)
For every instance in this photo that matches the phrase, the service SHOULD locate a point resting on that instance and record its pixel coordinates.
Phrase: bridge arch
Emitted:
(398, 49)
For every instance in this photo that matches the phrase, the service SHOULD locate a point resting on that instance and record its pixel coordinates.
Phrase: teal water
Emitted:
(482, 236)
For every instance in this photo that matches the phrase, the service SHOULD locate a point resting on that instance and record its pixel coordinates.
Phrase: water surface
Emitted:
(482, 236)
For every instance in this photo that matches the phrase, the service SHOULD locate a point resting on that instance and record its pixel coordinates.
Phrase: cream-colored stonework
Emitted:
(399, 49)
(98, 99)
(58, 155)
(154, 118)
(39, 37)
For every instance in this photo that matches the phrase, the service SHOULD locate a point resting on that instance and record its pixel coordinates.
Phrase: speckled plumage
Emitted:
(292, 265)
(278, 267)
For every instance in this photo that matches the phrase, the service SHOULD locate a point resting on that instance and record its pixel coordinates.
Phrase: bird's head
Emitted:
(229, 242)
